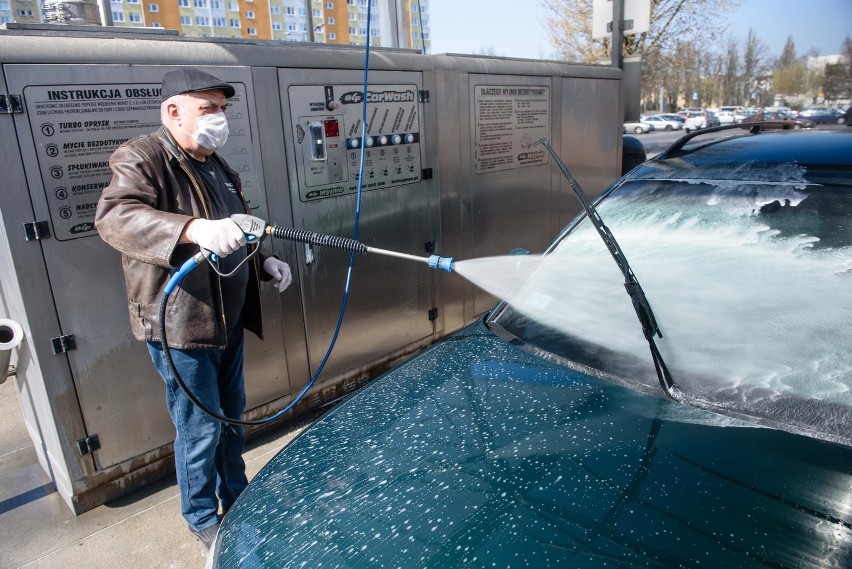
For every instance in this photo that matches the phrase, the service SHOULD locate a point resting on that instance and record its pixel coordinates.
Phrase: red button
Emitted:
(332, 128)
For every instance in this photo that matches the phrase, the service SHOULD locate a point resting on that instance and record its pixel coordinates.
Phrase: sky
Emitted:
(515, 28)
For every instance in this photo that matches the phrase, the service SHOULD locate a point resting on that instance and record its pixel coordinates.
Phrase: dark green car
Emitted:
(541, 436)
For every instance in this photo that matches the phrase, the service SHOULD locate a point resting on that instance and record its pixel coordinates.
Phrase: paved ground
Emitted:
(141, 531)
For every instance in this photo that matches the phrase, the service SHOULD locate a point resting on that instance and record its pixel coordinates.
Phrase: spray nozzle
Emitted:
(443, 263)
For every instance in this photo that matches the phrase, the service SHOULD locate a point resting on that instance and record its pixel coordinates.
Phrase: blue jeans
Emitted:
(208, 454)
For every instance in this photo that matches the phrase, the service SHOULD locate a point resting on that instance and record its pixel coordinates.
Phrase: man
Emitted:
(170, 194)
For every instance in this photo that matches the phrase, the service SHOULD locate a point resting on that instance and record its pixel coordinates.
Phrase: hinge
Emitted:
(88, 445)
(62, 344)
(423, 95)
(10, 104)
(36, 230)
(433, 314)
(429, 247)
(426, 174)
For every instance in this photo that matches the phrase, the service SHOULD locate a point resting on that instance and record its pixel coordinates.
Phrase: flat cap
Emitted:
(190, 80)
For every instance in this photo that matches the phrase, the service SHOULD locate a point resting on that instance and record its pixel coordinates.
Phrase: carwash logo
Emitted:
(355, 97)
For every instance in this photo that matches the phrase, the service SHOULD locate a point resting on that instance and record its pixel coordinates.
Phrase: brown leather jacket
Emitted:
(153, 194)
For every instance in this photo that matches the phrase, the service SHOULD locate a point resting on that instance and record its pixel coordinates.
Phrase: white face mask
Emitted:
(211, 131)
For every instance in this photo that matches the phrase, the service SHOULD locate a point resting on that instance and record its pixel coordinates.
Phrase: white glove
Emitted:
(280, 272)
(221, 236)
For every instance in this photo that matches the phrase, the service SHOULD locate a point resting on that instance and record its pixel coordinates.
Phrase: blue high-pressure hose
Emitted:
(199, 258)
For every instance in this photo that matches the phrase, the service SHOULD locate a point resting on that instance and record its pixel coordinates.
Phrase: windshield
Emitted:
(749, 283)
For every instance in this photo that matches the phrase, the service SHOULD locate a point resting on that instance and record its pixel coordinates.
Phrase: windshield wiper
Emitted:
(631, 284)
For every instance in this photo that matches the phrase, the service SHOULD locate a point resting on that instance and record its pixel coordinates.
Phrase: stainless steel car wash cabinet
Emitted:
(450, 167)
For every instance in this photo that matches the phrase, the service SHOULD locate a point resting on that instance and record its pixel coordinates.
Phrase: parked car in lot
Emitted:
(696, 120)
(660, 122)
(778, 116)
(822, 115)
(637, 127)
(541, 435)
(728, 117)
(673, 116)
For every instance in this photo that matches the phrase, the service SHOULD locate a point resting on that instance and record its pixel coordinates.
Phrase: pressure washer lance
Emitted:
(256, 230)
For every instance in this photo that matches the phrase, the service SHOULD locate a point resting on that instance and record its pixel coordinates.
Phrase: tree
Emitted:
(675, 25)
(731, 91)
(756, 70)
(790, 76)
(788, 55)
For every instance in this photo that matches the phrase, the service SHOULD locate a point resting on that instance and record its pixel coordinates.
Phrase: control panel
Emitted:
(329, 136)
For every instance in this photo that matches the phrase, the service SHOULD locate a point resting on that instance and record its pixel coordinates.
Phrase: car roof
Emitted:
(733, 145)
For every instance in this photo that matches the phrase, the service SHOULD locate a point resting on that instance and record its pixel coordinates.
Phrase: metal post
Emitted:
(309, 14)
(618, 34)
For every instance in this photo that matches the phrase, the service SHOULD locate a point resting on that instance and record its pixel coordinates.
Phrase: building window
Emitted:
(250, 14)
(183, 3)
(414, 7)
(153, 8)
(199, 3)
(234, 6)
(135, 17)
(184, 20)
(352, 31)
(156, 25)
(291, 27)
(276, 27)
(350, 2)
(414, 22)
(219, 22)
(330, 20)
(317, 13)
(415, 35)
(132, 1)
(235, 22)
(332, 36)
(329, 5)
(216, 4)
(252, 32)
(374, 32)
(116, 16)
(302, 11)
(275, 10)
(202, 21)
(289, 10)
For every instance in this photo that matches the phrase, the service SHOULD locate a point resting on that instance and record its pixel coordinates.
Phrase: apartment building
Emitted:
(393, 23)
(21, 11)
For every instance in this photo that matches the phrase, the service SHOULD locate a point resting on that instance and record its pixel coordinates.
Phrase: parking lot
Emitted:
(657, 141)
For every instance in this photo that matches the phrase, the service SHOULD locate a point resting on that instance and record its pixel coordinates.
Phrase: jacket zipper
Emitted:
(202, 200)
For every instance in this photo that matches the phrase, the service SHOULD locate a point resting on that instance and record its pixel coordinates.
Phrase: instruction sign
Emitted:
(508, 120)
(76, 128)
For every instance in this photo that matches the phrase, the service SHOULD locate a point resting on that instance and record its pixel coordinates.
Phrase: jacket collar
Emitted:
(178, 155)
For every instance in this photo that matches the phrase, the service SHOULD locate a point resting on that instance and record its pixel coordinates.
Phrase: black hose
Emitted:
(318, 239)
(173, 370)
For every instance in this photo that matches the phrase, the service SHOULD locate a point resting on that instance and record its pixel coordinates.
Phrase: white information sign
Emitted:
(77, 127)
(508, 120)
(636, 12)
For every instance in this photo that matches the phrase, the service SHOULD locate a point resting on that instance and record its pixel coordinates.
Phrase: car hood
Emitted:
(478, 453)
